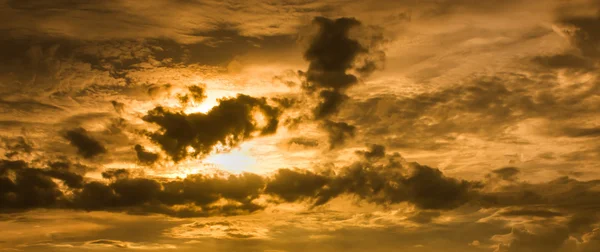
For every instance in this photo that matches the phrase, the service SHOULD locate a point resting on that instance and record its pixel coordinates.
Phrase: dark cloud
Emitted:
(338, 132)
(16, 146)
(118, 106)
(340, 49)
(375, 151)
(229, 123)
(378, 178)
(583, 33)
(145, 157)
(581, 132)
(330, 103)
(562, 194)
(564, 61)
(87, 146)
(195, 93)
(382, 183)
(506, 173)
(307, 142)
(198, 93)
(24, 187)
(386, 182)
(294, 185)
(198, 193)
(332, 54)
(116, 174)
(424, 217)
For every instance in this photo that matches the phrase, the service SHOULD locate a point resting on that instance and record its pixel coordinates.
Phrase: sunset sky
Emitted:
(300, 125)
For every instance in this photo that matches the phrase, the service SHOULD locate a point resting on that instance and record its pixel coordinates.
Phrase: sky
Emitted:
(300, 125)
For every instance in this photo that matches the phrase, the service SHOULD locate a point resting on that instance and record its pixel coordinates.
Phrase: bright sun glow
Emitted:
(211, 101)
(235, 161)
(203, 107)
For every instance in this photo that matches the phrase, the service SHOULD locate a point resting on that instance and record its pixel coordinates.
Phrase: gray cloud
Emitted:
(332, 53)
(229, 123)
(87, 146)
(145, 157)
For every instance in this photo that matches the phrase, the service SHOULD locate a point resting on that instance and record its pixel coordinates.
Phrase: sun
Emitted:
(237, 160)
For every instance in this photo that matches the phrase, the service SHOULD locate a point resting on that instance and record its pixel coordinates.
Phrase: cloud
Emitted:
(338, 132)
(118, 106)
(521, 239)
(16, 146)
(506, 173)
(331, 54)
(25, 188)
(583, 34)
(293, 185)
(487, 107)
(302, 141)
(145, 157)
(385, 182)
(375, 151)
(228, 124)
(87, 146)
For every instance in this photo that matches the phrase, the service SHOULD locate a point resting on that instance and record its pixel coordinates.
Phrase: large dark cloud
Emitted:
(388, 182)
(229, 123)
(333, 52)
(336, 56)
(24, 187)
(87, 146)
(379, 178)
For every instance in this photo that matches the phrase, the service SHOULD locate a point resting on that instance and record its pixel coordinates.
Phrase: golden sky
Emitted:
(300, 125)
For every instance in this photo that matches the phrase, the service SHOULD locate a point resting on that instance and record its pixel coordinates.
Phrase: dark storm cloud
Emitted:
(144, 156)
(229, 123)
(332, 54)
(87, 146)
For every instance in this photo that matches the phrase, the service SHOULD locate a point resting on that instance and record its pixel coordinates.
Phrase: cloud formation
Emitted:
(229, 123)
(332, 53)
(87, 146)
